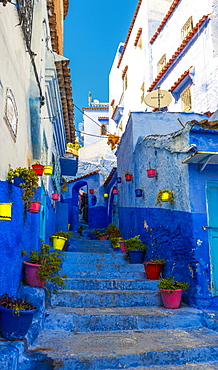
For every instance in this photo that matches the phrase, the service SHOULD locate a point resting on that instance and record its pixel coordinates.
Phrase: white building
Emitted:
(172, 44)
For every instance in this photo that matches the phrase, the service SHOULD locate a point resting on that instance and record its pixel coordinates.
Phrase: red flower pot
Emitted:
(171, 300)
(38, 169)
(115, 191)
(152, 270)
(55, 196)
(128, 177)
(31, 275)
(35, 207)
(122, 246)
(151, 173)
(91, 191)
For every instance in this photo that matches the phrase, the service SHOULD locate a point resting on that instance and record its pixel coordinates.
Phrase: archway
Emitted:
(80, 206)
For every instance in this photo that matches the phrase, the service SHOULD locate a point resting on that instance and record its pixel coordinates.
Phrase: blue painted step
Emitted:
(116, 274)
(100, 257)
(126, 349)
(199, 366)
(110, 284)
(102, 267)
(120, 318)
(105, 298)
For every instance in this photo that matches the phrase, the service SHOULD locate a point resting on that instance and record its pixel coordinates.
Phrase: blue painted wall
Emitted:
(173, 232)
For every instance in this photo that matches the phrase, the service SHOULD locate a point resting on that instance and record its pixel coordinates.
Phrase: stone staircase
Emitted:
(110, 317)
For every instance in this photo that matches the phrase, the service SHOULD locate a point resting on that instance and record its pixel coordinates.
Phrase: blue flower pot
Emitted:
(15, 326)
(138, 192)
(18, 181)
(136, 256)
(93, 236)
(119, 180)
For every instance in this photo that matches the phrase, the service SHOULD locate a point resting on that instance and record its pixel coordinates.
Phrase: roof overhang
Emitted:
(202, 157)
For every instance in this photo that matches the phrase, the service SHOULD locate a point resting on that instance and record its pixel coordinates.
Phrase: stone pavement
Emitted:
(110, 317)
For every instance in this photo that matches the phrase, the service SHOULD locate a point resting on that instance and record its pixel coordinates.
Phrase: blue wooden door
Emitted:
(212, 204)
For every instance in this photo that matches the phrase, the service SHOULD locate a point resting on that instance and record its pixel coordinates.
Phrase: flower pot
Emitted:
(122, 246)
(93, 236)
(91, 191)
(48, 170)
(102, 238)
(58, 242)
(115, 191)
(138, 192)
(38, 169)
(119, 180)
(105, 195)
(31, 276)
(165, 197)
(55, 196)
(128, 177)
(151, 172)
(15, 325)
(152, 270)
(136, 256)
(114, 233)
(171, 300)
(5, 212)
(34, 208)
(18, 180)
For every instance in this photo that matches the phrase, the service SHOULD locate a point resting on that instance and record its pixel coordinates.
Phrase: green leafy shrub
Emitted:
(171, 284)
(135, 244)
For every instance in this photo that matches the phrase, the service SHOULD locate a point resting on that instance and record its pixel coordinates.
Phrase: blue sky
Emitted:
(93, 30)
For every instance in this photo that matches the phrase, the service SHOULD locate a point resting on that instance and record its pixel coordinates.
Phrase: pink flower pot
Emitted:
(151, 172)
(31, 275)
(122, 246)
(102, 238)
(55, 196)
(35, 207)
(171, 300)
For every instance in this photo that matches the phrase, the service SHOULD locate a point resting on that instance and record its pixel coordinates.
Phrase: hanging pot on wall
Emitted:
(35, 207)
(48, 170)
(119, 180)
(151, 172)
(138, 192)
(38, 169)
(91, 191)
(5, 212)
(55, 196)
(115, 191)
(106, 195)
(128, 177)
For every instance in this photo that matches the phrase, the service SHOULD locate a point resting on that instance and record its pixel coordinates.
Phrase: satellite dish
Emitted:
(158, 98)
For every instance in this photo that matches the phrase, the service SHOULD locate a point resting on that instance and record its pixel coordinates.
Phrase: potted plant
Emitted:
(64, 185)
(38, 168)
(138, 192)
(34, 207)
(48, 170)
(153, 268)
(115, 191)
(136, 249)
(115, 242)
(91, 191)
(171, 291)
(5, 212)
(119, 180)
(55, 196)
(16, 317)
(59, 239)
(113, 231)
(122, 246)
(151, 172)
(164, 196)
(44, 265)
(27, 180)
(128, 176)
(106, 195)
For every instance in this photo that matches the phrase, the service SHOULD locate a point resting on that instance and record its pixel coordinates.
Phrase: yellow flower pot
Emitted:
(58, 242)
(165, 197)
(48, 170)
(106, 195)
(5, 212)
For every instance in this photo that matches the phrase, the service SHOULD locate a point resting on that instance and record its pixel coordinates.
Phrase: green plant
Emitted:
(158, 261)
(63, 234)
(135, 244)
(29, 186)
(99, 232)
(50, 262)
(112, 228)
(171, 284)
(16, 304)
(74, 146)
(160, 195)
(114, 241)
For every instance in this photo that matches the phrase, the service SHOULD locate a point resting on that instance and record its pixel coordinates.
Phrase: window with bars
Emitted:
(186, 100)
(186, 28)
(161, 63)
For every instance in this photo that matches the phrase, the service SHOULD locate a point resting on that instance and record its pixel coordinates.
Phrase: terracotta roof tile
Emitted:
(138, 36)
(180, 48)
(129, 32)
(81, 177)
(170, 11)
(179, 80)
(110, 176)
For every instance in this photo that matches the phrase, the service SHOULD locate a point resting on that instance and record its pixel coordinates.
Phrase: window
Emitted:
(103, 129)
(186, 99)
(161, 63)
(187, 28)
